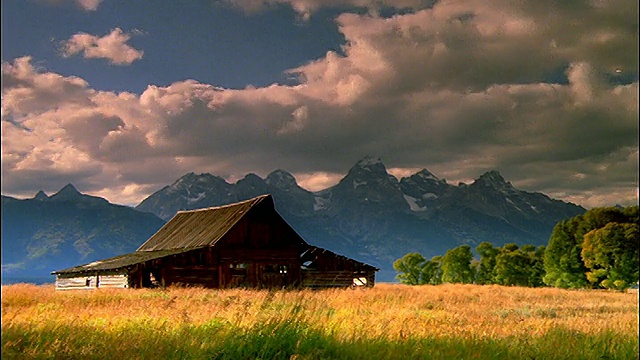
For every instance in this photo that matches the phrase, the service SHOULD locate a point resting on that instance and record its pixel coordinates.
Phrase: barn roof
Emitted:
(312, 251)
(121, 261)
(202, 227)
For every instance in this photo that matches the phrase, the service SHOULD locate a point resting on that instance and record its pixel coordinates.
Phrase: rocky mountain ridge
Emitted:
(374, 217)
(368, 215)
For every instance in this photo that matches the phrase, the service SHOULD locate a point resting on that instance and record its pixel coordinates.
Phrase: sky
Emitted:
(121, 98)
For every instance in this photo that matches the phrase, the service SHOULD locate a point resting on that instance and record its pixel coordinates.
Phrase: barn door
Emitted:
(234, 274)
(275, 276)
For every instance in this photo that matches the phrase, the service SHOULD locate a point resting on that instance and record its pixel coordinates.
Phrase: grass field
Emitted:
(386, 322)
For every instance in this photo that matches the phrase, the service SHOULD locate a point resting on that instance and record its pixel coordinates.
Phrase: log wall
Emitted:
(316, 279)
(92, 281)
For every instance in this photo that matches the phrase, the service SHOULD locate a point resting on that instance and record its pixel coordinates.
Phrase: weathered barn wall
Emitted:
(196, 268)
(75, 283)
(93, 281)
(336, 278)
(113, 281)
(222, 266)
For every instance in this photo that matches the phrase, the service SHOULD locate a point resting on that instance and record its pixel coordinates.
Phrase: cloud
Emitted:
(297, 122)
(305, 8)
(86, 5)
(459, 88)
(112, 47)
(317, 181)
(89, 5)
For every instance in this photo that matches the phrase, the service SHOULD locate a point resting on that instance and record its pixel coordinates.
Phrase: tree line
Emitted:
(598, 249)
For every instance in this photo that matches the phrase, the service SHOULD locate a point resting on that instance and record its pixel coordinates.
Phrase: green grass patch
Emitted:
(289, 339)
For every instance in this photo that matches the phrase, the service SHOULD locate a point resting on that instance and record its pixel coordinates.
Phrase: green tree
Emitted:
(536, 274)
(511, 247)
(631, 214)
(512, 266)
(611, 255)
(456, 265)
(432, 271)
(409, 268)
(487, 264)
(598, 218)
(562, 258)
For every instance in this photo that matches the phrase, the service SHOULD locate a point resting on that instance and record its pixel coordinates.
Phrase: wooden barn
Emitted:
(246, 244)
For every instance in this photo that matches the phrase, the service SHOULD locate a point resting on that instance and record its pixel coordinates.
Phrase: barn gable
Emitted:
(244, 244)
(202, 227)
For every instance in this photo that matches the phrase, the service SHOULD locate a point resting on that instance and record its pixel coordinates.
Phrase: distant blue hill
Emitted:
(45, 233)
(8, 280)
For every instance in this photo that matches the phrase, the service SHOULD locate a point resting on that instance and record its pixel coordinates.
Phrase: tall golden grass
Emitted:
(388, 321)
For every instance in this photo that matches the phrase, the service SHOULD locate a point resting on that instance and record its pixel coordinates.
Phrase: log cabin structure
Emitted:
(246, 244)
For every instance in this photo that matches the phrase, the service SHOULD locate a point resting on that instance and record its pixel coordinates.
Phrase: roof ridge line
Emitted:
(224, 206)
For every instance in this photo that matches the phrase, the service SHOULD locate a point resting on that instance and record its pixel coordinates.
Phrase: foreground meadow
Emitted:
(386, 322)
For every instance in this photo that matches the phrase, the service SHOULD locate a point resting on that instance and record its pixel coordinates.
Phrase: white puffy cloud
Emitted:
(112, 47)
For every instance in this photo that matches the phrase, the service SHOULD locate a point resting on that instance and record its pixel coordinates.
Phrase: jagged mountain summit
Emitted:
(196, 191)
(191, 191)
(372, 216)
(367, 186)
(423, 189)
(41, 196)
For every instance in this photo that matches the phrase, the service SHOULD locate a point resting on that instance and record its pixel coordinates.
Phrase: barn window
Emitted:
(309, 264)
(360, 281)
(238, 269)
(276, 269)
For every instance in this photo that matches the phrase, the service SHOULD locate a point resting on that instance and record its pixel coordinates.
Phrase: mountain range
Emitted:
(369, 215)
(372, 216)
